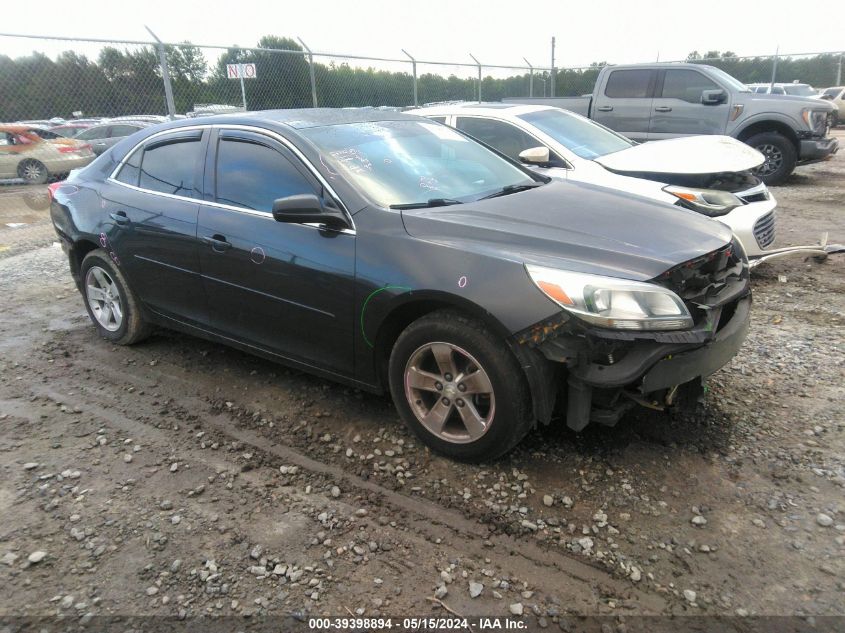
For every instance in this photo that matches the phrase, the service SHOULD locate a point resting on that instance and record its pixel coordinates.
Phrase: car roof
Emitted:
(300, 118)
(509, 109)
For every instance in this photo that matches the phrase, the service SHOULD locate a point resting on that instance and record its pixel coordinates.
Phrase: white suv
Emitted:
(707, 174)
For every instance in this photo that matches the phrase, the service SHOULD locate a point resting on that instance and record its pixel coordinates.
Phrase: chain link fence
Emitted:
(71, 78)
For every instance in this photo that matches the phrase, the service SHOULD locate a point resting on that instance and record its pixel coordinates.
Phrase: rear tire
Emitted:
(33, 172)
(113, 307)
(780, 154)
(459, 388)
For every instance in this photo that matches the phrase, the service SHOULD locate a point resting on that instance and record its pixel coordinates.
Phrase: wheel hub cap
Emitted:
(449, 392)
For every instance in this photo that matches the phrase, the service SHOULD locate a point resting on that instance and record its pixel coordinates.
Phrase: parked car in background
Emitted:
(708, 174)
(71, 130)
(648, 102)
(836, 96)
(148, 118)
(795, 89)
(24, 154)
(388, 252)
(103, 136)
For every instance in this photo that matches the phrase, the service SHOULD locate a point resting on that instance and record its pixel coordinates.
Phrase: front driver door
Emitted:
(284, 288)
(677, 108)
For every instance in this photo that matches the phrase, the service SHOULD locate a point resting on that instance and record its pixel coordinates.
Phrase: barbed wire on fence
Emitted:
(68, 77)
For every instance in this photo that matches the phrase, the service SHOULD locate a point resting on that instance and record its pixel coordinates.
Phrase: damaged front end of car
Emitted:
(603, 370)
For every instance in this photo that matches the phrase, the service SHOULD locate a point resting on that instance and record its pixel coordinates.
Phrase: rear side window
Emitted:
(630, 84)
(253, 176)
(439, 119)
(131, 170)
(118, 131)
(686, 85)
(91, 133)
(505, 137)
(170, 166)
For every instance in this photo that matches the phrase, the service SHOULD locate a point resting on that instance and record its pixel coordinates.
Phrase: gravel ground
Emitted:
(182, 478)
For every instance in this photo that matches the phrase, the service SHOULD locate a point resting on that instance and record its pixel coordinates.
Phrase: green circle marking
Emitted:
(367, 300)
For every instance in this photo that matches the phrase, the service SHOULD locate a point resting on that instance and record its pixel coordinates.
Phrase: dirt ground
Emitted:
(182, 478)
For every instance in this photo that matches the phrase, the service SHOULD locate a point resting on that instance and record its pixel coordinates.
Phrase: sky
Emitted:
(495, 31)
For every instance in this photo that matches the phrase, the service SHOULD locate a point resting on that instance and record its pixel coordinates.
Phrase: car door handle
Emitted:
(218, 242)
(663, 109)
(604, 108)
(120, 218)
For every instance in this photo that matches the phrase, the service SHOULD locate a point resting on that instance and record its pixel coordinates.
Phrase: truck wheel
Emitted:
(459, 388)
(780, 156)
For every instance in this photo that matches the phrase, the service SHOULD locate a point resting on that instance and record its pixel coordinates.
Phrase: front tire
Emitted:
(780, 154)
(459, 388)
(113, 307)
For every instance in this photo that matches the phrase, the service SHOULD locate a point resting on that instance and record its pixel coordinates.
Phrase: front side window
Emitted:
(629, 84)
(580, 136)
(253, 176)
(409, 162)
(686, 85)
(169, 166)
(505, 137)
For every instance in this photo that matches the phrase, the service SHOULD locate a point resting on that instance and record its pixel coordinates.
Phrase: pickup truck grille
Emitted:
(710, 280)
(764, 230)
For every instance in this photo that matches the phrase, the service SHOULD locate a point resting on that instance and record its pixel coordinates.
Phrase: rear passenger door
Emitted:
(152, 203)
(285, 288)
(677, 107)
(624, 104)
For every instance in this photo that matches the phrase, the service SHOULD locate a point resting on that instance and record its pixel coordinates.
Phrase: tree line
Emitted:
(128, 81)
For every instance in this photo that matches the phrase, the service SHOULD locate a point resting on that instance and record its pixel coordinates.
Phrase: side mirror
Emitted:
(307, 209)
(713, 97)
(535, 156)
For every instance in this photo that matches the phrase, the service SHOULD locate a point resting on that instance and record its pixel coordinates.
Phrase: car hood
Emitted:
(807, 102)
(574, 226)
(686, 155)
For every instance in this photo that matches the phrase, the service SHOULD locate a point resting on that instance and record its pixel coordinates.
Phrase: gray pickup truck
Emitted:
(647, 102)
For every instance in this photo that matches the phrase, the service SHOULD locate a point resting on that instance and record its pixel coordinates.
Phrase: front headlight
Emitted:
(816, 120)
(710, 202)
(611, 302)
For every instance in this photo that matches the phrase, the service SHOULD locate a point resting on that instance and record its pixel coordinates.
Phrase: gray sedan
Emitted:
(102, 137)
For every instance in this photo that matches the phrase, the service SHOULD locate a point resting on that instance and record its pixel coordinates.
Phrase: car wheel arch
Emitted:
(412, 305)
(81, 248)
(759, 127)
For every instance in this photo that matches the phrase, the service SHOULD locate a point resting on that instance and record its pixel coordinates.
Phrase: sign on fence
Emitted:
(241, 71)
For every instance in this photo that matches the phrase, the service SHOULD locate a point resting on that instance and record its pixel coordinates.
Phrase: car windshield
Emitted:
(412, 162)
(730, 80)
(800, 90)
(580, 136)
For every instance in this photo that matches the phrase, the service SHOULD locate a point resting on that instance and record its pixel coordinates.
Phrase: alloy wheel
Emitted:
(104, 298)
(774, 159)
(449, 392)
